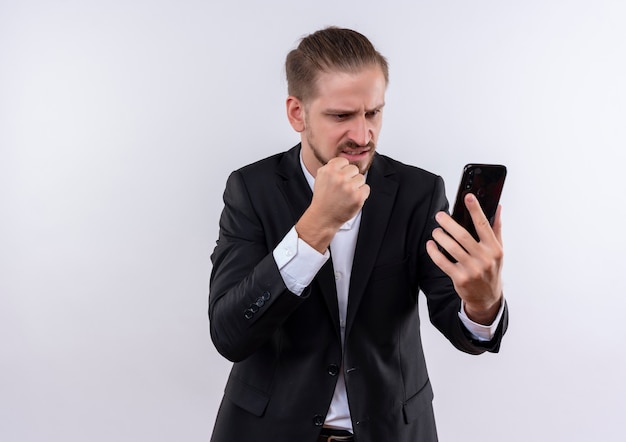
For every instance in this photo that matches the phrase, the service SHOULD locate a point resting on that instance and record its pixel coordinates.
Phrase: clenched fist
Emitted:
(339, 193)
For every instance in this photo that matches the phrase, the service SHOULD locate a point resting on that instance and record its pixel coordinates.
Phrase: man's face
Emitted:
(344, 118)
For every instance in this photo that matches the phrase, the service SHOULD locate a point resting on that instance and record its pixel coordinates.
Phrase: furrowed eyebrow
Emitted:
(339, 112)
(351, 111)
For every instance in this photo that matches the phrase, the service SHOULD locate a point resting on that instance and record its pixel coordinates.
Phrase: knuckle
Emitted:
(476, 274)
(483, 222)
(340, 162)
(498, 253)
(436, 232)
(465, 236)
(463, 280)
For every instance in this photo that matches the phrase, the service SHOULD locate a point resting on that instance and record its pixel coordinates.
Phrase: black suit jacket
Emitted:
(287, 350)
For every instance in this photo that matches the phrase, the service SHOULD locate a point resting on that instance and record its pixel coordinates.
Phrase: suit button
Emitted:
(318, 420)
(333, 369)
(266, 296)
(260, 302)
(248, 314)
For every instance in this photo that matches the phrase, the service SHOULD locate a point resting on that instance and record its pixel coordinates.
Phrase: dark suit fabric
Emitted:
(286, 348)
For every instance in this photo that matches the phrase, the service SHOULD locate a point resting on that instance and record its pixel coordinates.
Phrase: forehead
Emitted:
(363, 87)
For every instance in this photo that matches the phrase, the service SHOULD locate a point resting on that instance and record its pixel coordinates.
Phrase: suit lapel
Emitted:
(293, 184)
(298, 194)
(374, 220)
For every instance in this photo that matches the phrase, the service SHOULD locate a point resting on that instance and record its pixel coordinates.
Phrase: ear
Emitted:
(295, 113)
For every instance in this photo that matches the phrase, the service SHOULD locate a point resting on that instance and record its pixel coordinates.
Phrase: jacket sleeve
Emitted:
(248, 299)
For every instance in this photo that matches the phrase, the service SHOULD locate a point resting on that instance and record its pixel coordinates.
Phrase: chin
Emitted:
(364, 166)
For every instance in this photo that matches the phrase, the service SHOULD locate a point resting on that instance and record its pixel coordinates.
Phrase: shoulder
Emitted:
(262, 166)
(273, 162)
(412, 185)
(405, 172)
(263, 176)
(268, 166)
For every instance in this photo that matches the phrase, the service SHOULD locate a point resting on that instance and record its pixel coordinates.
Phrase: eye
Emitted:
(340, 116)
(372, 114)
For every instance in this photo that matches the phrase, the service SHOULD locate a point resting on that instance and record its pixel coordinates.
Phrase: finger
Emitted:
(338, 162)
(497, 224)
(449, 244)
(350, 170)
(454, 229)
(365, 192)
(440, 260)
(481, 223)
(358, 180)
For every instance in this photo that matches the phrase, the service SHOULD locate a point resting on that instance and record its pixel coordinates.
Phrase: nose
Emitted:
(361, 131)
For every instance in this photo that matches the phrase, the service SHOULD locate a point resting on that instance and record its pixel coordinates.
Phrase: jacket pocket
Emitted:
(245, 396)
(389, 270)
(417, 403)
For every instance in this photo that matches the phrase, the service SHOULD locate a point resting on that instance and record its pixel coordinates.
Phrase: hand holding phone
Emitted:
(477, 280)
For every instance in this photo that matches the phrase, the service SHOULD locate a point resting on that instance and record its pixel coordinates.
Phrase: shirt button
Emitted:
(333, 369)
(288, 252)
(338, 276)
(318, 420)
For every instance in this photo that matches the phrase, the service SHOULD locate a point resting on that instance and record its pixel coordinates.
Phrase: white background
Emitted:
(120, 121)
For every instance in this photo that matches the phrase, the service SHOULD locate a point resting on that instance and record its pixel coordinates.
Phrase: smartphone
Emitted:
(485, 181)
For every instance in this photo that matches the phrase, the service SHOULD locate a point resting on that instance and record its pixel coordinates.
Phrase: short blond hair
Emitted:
(327, 50)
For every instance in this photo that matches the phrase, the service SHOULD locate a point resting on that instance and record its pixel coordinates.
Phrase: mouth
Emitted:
(355, 153)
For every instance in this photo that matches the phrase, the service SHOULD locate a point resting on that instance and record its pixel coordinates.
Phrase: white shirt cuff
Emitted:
(479, 331)
(298, 262)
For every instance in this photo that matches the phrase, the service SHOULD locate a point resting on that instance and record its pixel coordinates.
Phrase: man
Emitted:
(321, 254)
